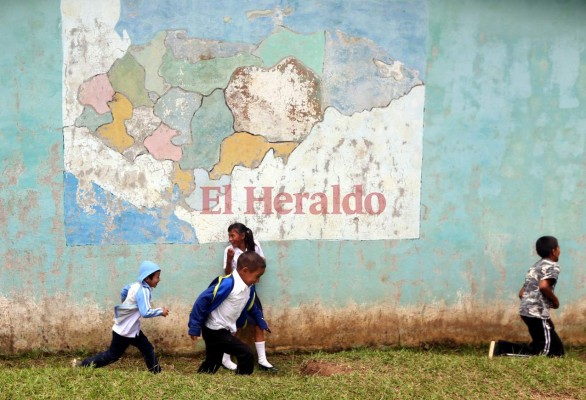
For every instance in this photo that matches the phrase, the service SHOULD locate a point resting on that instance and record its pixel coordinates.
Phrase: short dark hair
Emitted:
(152, 274)
(545, 245)
(251, 260)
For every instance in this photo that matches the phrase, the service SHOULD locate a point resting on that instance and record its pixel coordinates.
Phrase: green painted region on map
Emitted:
(127, 77)
(205, 76)
(176, 108)
(309, 49)
(211, 124)
(150, 56)
(92, 120)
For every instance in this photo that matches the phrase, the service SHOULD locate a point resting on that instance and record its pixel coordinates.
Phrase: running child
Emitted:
(136, 303)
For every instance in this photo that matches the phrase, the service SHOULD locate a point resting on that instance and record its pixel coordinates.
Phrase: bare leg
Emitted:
(259, 334)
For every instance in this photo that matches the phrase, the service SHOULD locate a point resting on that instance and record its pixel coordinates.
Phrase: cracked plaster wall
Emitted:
(504, 149)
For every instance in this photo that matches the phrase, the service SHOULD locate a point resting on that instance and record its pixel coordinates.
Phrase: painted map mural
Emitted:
(303, 120)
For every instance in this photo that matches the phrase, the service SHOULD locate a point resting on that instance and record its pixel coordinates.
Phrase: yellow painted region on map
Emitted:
(114, 134)
(247, 150)
(183, 179)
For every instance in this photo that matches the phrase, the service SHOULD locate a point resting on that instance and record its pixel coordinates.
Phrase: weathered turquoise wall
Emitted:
(503, 163)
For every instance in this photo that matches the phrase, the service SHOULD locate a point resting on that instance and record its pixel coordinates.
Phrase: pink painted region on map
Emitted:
(160, 146)
(97, 92)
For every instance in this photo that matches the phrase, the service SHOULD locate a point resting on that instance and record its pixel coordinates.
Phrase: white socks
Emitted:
(262, 355)
(262, 358)
(227, 362)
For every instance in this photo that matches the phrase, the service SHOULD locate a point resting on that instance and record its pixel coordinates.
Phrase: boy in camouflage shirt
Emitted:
(537, 297)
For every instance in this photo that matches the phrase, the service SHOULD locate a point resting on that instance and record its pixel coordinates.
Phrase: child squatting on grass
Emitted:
(222, 308)
(136, 303)
(537, 297)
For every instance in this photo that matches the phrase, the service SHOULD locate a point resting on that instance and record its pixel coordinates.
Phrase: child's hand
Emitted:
(194, 338)
(165, 312)
(555, 303)
(229, 258)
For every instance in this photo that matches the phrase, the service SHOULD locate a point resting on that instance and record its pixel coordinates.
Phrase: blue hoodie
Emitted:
(147, 268)
(136, 298)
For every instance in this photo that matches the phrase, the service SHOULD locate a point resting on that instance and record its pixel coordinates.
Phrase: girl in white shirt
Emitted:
(241, 239)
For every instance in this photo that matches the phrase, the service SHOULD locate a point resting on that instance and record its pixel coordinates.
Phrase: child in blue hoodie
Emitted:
(136, 303)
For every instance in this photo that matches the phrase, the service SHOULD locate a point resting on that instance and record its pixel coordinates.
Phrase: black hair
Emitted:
(151, 275)
(251, 260)
(248, 236)
(545, 245)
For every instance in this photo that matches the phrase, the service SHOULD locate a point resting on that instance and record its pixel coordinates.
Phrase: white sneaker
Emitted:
(75, 363)
(227, 363)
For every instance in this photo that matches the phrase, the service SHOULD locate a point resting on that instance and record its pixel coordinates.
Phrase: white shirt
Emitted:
(225, 316)
(238, 252)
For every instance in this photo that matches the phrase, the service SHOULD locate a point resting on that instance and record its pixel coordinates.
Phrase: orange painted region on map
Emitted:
(247, 150)
(114, 134)
(183, 179)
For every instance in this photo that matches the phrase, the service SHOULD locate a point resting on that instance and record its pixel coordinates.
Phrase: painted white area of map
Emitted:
(142, 182)
(336, 153)
(90, 46)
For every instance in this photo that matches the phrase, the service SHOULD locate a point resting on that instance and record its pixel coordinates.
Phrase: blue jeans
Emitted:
(118, 347)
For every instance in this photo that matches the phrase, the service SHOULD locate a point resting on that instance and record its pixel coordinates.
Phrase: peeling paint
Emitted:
(114, 134)
(87, 326)
(503, 161)
(215, 91)
(248, 151)
(291, 115)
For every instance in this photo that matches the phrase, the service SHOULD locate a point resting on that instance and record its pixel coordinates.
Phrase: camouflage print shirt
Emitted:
(534, 303)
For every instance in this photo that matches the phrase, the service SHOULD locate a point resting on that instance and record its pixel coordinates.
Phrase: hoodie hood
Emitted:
(147, 268)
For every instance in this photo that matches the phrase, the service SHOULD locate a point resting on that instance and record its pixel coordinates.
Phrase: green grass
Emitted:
(432, 373)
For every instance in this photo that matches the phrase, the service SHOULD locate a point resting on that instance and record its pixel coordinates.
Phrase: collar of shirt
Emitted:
(550, 262)
(239, 285)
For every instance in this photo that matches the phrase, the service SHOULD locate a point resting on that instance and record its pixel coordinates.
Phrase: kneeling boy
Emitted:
(223, 308)
(537, 297)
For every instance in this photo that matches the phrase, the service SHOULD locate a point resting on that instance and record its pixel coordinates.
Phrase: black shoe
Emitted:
(267, 369)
